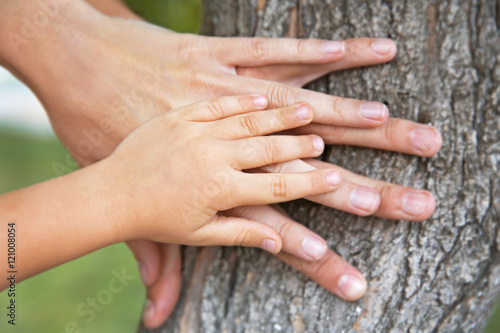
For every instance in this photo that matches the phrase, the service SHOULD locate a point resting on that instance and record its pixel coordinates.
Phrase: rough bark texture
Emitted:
(442, 275)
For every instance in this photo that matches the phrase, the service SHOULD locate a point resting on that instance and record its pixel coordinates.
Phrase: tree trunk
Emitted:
(441, 275)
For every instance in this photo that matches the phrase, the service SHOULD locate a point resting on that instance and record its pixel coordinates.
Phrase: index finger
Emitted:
(223, 107)
(330, 110)
(259, 51)
(332, 273)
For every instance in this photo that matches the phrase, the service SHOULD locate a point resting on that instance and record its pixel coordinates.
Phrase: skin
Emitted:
(118, 81)
(150, 172)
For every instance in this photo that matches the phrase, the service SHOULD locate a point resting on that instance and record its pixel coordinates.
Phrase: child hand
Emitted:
(179, 172)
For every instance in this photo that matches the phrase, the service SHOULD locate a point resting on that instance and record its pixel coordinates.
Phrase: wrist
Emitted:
(116, 212)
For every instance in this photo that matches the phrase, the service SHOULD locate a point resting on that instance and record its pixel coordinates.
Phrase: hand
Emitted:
(118, 80)
(91, 130)
(196, 67)
(187, 165)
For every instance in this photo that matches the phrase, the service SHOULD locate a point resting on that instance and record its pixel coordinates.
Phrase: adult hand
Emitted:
(123, 72)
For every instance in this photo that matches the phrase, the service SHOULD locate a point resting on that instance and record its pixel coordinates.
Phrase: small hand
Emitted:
(187, 165)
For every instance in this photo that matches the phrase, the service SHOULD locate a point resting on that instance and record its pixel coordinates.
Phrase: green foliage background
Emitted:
(178, 15)
(47, 302)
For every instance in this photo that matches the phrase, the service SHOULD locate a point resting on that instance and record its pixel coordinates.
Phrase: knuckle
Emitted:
(390, 131)
(317, 270)
(279, 187)
(250, 124)
(215, 109)
(243, 102)
(242, 238)
(271, 153)
(190, 47)
(281, 119)
(280, 96)
(192, 79)
(285, 229)
(259, 48)
(385, 192)
(336, 134)
(302, 47)
(186, 48)
(335, 107)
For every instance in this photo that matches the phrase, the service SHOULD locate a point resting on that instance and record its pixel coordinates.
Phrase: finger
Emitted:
(297, 239)
(236, 231)
(147, 254)
(260, 51)
(397, 202)
(359, 195)
(327, 109)
(223, 107)
(164, 293)
(348, 197)
(332, 273)
(265, 122)
(261, 189)
(359, 52)
(260, 151)
(396, 135)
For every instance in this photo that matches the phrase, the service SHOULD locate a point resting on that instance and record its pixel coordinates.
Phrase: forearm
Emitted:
(38, 35)
(59, 220)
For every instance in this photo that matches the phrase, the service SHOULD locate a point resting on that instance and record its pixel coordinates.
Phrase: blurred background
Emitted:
(28, 148)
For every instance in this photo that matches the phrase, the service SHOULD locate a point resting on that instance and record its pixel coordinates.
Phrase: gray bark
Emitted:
(441, 275)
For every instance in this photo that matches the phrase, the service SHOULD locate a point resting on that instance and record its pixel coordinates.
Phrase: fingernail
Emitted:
(149, 311)
(382, 46)
(333, 47)
(318, 143)
(260, 101)
(303, 113)
(424, 139)
(414, 203)
(365, 199)
(351, 286)
(313, 247)
(333, 178)
(269, 245)
(373, 110)
(143, 272)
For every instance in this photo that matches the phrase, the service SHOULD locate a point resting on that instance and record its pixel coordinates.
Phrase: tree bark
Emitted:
(441, 275)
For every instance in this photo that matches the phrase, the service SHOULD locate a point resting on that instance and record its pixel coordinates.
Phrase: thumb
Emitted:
(237, 231)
